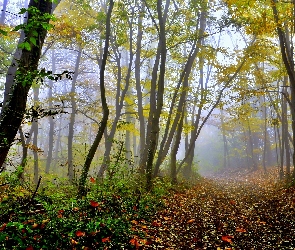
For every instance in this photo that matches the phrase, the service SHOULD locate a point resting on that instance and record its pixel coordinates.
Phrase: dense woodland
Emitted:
(113, 110)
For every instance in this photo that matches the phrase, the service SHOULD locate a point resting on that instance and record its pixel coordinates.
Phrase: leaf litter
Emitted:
(246, 211)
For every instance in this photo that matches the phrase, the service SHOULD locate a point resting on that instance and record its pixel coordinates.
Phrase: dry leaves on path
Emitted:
(225, 213)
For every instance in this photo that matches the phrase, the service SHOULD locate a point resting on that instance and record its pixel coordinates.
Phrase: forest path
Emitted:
(247, 212)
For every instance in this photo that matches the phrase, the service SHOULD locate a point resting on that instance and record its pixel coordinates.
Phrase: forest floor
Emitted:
(246, 211)
(241, 210)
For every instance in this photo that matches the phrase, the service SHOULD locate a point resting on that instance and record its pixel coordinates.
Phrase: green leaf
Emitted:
(21, 46)
(22, 11)
(33, 40)
(35, 33)
(27, 46)
(3, 32)
(18, 27)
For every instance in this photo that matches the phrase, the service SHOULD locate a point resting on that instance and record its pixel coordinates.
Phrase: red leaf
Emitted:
(107, 239)
(3, 227)
(156, 224)
(80, 233)
(30, 248)
(94, 204)
(74, 242)
(241, 230)
(60, 213)
(92, 180)
(232, 202)
(37, 237)
(135, 243)
(227, 238)
(190, 221)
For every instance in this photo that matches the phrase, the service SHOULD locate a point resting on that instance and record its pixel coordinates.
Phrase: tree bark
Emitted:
(3, 13)
(174, 150)
(156, 99)
(50, 118)
(287, 56)
(15, 97)
(35, 128)
(139, 91)
(103, 124)
(72, 118)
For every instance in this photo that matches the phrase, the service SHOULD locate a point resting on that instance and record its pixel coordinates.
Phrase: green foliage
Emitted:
(55, 218)
(36, 22)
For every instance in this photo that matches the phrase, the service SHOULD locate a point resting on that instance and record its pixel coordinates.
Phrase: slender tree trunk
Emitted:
(265, 144)
(174, 150)
(287, 56)
(57, 142)
(225, 146)
(120, 96)
(103, 124)
(285, 140)
(251, 146)
(50, 118)
(156, 99)
(139, 91)
(25, 142)
(35, 126)
(72, 118)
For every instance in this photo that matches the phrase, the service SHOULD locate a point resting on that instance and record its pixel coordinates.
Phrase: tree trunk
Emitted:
(103, 124)
(17, 89)
(287, 56)
(3, 12)
(35, 129)
(120, 96)
(137, 70)
(175, 148)
(72, 118)
(157, 97)
(50, 118)
(225, 146)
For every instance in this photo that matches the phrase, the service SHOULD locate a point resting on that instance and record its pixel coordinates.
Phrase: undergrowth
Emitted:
(54, 218)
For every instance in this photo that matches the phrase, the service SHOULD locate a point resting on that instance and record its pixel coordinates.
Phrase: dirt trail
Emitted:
(226, 213)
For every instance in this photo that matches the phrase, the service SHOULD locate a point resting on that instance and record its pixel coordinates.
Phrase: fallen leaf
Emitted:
(107, 239)
(94, 203)
(227, 238)
(156, 224)
(232, 202)
(36, 237)
(3, 227)
(134, 242)
(241, 230)
(92, 180)
(74, 242)
(190, 221)
(80, 233)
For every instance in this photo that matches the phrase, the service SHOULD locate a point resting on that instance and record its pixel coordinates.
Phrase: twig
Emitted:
(35, 192)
